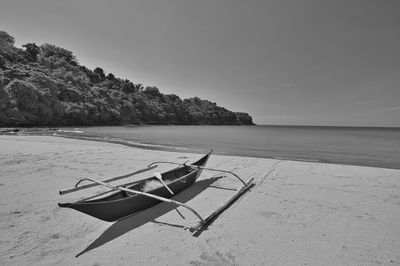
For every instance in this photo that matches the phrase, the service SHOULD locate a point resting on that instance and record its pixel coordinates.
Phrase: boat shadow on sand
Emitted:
(129, 223)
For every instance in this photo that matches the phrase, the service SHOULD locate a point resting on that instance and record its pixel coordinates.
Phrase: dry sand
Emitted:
(299, 213)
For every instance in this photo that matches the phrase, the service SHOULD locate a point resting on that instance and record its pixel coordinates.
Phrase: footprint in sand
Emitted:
(269, 215)
(215, 259)
(44, 219)
(153, 258)
(55, 236)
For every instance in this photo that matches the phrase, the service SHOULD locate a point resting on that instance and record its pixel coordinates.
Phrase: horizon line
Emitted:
(292, 125)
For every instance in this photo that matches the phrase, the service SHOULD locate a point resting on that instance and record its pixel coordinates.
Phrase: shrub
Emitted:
(24, 93)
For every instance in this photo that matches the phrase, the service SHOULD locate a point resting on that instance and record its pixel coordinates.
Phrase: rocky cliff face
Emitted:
(44, 85)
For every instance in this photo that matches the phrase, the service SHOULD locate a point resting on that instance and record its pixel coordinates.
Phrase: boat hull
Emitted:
(119, 204)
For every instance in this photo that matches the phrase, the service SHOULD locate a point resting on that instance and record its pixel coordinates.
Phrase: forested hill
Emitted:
(45, 85)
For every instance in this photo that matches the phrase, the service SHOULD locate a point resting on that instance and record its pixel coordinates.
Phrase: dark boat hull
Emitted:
(119, 204)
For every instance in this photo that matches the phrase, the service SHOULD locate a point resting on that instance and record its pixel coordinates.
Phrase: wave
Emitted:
(70, 131)
(142, 145)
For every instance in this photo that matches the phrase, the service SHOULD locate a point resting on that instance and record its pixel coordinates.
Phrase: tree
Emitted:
(99, 71)
(6, 47)
(128, 87)
(139, 87)
(153, 91)
(32, 49)
(50, 50)
(2, 62)
(6, 40)
(110, 76)
(173, 98)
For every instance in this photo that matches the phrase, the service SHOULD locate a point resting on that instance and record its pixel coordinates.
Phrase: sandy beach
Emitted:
(298, 213)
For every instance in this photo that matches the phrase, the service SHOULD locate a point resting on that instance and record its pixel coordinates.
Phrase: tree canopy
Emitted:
(45, 85)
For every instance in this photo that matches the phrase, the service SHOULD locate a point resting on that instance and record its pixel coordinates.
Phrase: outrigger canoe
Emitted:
(123, 203)
(134, 197)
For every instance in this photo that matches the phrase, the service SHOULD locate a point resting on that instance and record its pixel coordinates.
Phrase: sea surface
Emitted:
(378, 147)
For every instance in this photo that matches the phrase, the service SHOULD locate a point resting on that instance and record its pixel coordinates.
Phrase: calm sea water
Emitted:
(379, 147)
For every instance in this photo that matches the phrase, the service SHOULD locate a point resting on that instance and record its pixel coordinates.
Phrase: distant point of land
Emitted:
(44, 85)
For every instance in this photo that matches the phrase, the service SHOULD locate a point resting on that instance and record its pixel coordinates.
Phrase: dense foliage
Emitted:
(45, 85)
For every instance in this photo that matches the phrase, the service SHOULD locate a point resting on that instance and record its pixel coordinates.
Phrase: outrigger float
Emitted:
(130, 198)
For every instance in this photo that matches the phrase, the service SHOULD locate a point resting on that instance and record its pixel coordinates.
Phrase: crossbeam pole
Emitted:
(69, 190)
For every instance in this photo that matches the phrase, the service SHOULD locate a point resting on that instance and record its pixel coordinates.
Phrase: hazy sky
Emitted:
(313, 62)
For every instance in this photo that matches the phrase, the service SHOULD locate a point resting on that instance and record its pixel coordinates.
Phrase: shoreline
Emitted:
(167, 148)
(298, 212)
(159, 147)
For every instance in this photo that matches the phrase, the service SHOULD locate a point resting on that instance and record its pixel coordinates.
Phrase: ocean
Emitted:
(377, 147)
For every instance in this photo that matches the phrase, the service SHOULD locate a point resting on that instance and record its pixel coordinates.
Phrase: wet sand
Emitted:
(298, 213)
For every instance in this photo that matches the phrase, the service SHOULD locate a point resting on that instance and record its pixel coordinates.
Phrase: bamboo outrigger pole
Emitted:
(76, 188)
(203, 223)
(198, 228)
(201, 167)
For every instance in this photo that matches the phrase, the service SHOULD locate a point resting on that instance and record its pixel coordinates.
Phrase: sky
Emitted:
(286, 62)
